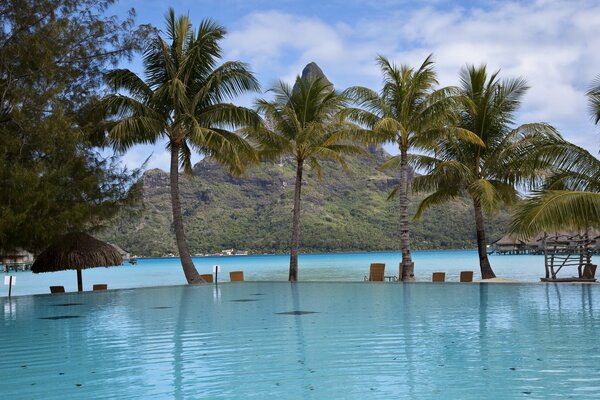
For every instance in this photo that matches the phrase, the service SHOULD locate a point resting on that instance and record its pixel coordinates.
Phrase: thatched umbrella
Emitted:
(76, 251)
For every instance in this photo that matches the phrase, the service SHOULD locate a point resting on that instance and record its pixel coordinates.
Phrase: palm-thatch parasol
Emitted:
(76, 251)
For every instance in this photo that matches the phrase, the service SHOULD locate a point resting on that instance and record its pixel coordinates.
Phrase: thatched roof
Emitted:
(508, 240)
(76, 251)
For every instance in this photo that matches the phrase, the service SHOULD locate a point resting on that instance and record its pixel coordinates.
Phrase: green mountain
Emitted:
(344, 211)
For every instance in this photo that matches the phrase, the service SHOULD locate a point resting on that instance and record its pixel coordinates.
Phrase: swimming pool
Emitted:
(257, 340)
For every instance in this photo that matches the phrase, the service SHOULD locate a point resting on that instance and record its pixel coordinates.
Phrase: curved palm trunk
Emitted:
(293, 276)
(484, 262)
(191, 274)
(408, 267)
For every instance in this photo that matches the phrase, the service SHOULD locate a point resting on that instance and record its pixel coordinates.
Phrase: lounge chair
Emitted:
(208, 278)
(466, 276)
(236, 276)
(377, 272)
(57, 289)
(100, 286)
(438, 277)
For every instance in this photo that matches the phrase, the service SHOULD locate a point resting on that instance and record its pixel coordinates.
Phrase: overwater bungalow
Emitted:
(509, 244)
(17, 259)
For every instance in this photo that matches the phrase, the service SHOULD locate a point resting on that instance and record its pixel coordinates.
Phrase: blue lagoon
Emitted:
(310, 340)
(333, 267)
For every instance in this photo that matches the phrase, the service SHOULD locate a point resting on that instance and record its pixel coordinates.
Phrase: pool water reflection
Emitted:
(306, 340)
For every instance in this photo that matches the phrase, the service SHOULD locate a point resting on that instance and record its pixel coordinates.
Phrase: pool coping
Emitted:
(302, 282)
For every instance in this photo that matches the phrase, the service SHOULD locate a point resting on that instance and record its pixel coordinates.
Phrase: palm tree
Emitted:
(182, 100)
(594, 97)
(570, 197)
(411, 113)
(489, 172)
(302, 123)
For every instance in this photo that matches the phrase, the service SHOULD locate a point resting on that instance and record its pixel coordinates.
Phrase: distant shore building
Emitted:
(16, 256)
(18, 260)
(510, 244)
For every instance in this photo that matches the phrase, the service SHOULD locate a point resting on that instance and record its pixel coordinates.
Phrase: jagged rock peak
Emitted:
(313, 71)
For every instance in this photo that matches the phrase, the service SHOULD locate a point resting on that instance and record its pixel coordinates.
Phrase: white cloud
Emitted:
(551, 44)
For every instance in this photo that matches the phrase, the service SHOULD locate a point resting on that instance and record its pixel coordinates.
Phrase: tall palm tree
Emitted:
(182, 101)
(570, 197)
(489, 172)
(302, 122)
(410, 112)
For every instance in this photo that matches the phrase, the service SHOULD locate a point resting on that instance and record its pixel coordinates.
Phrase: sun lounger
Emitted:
(57, 289)
(236, 276)
(208, 278)
(438, 277)
(100, 286)
(377, 272)
(466, 276)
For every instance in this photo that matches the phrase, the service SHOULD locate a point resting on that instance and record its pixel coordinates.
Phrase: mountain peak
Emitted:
(312, 71)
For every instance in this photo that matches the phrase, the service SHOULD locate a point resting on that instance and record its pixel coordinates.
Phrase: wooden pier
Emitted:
(563, 251)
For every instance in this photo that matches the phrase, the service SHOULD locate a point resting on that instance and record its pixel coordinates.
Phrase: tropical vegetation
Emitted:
(489, 173)
(570, 196)
(410, 112)
(305, 125)
(53, 177)
(62, 108)
(183, 100)
(345, 210)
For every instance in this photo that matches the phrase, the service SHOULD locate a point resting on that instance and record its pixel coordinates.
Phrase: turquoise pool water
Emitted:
(254, 340)
(312, 267)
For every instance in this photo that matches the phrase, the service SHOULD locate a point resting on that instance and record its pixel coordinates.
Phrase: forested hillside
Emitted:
(344, 211)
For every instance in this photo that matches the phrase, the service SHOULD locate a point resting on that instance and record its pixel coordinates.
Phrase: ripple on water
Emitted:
(357, 341)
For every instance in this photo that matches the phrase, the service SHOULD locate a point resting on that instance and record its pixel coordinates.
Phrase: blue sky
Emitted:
(552, 44)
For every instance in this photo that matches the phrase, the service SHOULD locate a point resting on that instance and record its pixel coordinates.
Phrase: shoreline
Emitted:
(308, 253)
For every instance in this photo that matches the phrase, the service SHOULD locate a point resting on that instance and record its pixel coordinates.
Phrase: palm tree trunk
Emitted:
(293, 277)
(407, 266)
(191, 274)
(484, 262)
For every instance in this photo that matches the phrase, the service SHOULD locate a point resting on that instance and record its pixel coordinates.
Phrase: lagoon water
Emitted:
(312, 267)
(310, 340)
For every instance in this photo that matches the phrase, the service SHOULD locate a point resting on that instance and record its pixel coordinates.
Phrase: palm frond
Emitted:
(227, 115)
(391, 163)
(491, 194)
(449, 175)
(434, 199)
(226, 82)
(594, 98)
(128, 132)
(124, 79)
(552, 210)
